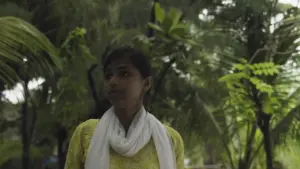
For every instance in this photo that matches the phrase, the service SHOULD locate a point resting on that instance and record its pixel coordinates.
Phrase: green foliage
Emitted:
(204, 49)
(75, 44)
(13, 150)
(246, 77)
(170, 26)
(21, 40)
(288, 154)
(12, 9)
(252, 73)
(159, 12)
(72, 86)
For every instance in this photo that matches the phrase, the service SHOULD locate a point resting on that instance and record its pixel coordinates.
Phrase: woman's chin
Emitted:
(118, 104)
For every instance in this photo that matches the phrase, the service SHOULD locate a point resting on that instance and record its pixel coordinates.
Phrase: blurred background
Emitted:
(226, 76)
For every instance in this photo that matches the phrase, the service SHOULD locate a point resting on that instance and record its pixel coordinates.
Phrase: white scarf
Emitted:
(110, 133)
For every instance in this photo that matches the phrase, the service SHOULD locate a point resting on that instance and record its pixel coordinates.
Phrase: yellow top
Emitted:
(146, 158)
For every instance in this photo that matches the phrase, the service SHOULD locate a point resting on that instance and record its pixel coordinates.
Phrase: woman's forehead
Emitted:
(122, 63)
(121, 60)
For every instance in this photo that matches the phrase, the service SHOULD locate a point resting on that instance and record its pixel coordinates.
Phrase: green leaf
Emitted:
(265, 68)
(258, 72)
(167, 24)
(192, 42)
(159, 12)
(269, 103)
(243, 61)
(7, 74)
(239, 66)
(156, 27)
(261, 86)
(233, 77)
(175, 14)
(178, 32)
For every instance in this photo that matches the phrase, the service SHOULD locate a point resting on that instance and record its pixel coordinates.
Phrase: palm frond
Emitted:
(283, 126)
(288, 154)
(286, 35)
(21, 41)
(219, 131)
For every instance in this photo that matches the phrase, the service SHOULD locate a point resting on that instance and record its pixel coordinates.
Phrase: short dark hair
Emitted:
(138, 59)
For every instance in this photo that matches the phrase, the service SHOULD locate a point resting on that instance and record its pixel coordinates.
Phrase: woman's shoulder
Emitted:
(89, 123)
(172, 132)
(178, 146)
(87, 127)
(84, 132)
(176, 137)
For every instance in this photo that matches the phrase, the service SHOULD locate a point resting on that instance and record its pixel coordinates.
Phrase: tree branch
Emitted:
(92, 84)
(248, 148)
(91, 81)
(256, 152)
(151, 31)
(24, 131)
(160, 80)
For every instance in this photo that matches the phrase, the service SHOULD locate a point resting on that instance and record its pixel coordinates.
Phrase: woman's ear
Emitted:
(148, 83)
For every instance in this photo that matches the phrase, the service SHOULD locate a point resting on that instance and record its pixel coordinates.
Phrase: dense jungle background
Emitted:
(226, 76)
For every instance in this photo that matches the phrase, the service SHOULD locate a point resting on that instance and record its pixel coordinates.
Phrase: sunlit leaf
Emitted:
(159, 12)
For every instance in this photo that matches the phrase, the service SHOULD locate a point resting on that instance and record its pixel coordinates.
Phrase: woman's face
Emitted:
(124, 84)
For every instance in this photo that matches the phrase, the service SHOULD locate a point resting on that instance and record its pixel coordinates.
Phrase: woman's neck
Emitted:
(126, 115)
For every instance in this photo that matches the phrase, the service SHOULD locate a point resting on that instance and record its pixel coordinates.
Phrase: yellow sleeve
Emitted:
(74, 159)
(178, 147)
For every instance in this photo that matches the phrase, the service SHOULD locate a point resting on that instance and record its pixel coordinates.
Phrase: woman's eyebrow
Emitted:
(123, 66)
(106, 70)
(118, 67)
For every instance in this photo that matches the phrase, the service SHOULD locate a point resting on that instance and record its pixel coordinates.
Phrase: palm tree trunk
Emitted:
(256, 40)
(265, 129)
(25, 134)
(61, 138)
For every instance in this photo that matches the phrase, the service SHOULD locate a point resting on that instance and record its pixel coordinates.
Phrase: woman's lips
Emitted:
(115, 94)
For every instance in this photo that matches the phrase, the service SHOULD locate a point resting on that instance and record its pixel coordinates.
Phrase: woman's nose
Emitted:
(113, 81)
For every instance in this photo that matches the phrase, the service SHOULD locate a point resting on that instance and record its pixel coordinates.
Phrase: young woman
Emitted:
(126, 136)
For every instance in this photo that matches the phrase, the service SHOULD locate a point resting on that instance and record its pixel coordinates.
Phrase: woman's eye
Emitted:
(124, 74)
(107, 75)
